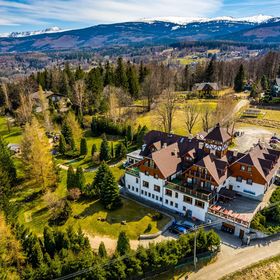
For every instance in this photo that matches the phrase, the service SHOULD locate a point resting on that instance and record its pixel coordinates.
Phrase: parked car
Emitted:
(274, 140)
(177, 229)
(188, 225)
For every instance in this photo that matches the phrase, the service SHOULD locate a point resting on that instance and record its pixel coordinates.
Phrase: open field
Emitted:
(151, 119)
(14, 137)
(268, 269)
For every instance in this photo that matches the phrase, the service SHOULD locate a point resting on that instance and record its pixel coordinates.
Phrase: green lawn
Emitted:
(35, 214)
(15, 134)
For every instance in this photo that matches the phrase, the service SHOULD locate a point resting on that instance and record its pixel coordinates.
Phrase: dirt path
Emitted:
(65, 167)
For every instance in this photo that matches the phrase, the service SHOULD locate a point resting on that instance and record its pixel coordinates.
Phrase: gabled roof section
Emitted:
(203, 86)
(167, 160)
(219, 134)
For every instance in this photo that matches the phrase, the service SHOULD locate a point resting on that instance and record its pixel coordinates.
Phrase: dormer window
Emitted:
(249, 169)
(242, 168)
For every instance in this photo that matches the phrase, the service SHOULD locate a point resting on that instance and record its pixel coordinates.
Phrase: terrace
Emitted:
(134, 171)
(193, 190)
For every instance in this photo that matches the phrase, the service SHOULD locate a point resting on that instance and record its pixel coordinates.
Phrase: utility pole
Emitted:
(194, 251)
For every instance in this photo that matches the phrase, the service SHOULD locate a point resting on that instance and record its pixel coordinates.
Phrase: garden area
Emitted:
(268, 219)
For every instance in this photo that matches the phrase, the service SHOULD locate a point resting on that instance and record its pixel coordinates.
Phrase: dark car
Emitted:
(177, 229)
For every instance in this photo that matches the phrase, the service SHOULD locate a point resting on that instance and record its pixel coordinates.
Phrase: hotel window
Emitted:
(153, 196)
(129, 187)
(176, 205)
(145, 184)
(149, 194)
(168, 192)
(136, 189)
(166, 201)
(187, 199)
(184, 208)
(176, 195)
(239, 179)
(171, 203)
(156, 197)
(250, 182)
(137, 180)
(142, 192)
(145, 193)
(249, 169)
(199, 203)
(156, 188)
(242, 168)
(132, 188)
(160, 198)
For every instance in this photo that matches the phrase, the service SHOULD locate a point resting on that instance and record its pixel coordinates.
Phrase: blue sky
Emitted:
(20, 15)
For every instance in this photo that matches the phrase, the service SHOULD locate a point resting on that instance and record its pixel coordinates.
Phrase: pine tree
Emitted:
(80, 179)
(109, 192)
(6, 163)
(66, 131)
(104, 150)
(83, 147)
(49, 241)
(121, 151)
(143, 72)
(71, 178)
(62, 145)
(102, 250)
(93, 150)
(120, 75)
(123, 246)
(125, 142)
(210, 71)
(102, 170)
(112, 150)
(141, 134)
(129, 134)
(76, 130)
(133, 82)
(109, 75)
(239, 80)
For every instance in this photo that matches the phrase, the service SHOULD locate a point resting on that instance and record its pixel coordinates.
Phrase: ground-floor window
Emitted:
(166, 201)
(176, 205)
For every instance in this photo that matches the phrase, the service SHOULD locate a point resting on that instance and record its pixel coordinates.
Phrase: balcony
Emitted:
(199, 175)
(134, 171)
(191, 190)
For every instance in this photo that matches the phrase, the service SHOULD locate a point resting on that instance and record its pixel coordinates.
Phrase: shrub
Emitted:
(74, 194)
(61, 213)
(157, 216)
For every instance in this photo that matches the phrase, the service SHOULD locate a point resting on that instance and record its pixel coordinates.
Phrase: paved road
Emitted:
(233, 259)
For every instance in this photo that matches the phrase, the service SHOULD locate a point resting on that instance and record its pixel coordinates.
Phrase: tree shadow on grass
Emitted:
(40, 212)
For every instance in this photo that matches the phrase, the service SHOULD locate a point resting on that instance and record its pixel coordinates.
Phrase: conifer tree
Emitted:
(66, 131)
(210, 71)
(112, 150)
(6, 163)
(123, 246)
(62, 145)
(129, 134)
(49, 241)
(120, 75)
(143, 72)
(83, 147)
(102, 170)
(80, 179)
(109, 191)
(109, 75)
(37, 156)
(93, 150)
(239, 80)
(104, 150)
(133, 82)
(121, 151)
(102, 250)
(141, 134)
(71, 178)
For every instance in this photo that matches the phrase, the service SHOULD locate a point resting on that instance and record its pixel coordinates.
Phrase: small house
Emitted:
(207, 89)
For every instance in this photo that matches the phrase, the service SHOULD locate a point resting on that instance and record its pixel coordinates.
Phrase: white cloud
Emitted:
(101, 11)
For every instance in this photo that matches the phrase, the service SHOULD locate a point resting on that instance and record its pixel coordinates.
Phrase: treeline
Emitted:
(59, 253)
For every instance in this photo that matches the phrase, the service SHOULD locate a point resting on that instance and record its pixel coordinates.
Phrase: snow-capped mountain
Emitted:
(148, 32)
(54, 29)
(186, 20)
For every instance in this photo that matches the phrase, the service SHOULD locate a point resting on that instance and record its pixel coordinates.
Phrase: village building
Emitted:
(202, 179)
(206, 89)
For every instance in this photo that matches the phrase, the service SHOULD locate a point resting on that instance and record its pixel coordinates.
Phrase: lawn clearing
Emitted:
(15, 135)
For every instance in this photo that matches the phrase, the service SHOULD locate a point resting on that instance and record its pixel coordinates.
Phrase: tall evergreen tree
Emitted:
(71, 178)
(104, 150)
(49, 241)
(143, 72)
(112, 150)
(6, 162)
(141, 134)
(239, 80)
(123, 246)
(66, 131)
(109, 75)
(62, 145)
(93, 150)
(133, 82)
(80, 179)
(120, 75)
(102, 170)
(102, 250)
(109, 192)
(121, 151)
(210, 71)
(83, 147)
(129, 134)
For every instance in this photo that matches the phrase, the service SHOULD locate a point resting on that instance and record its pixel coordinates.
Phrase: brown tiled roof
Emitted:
(203, 86)
(219, 134)
(167, 160)
(264, 159)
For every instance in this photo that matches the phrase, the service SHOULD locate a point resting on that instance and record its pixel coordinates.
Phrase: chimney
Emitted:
(200, 145)
(235, 152)
(164, 145)
(143, 147)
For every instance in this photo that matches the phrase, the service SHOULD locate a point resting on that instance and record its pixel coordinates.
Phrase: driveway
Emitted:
(251, 136)
(233, 258)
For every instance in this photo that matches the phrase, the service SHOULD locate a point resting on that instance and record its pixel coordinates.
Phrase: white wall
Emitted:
(131, 184)
(242, 187)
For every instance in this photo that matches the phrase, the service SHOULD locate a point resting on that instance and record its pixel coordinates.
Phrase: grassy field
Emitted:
(151, 120)
(14, 137)
(35, 214)
(265, 270)
(272, 115)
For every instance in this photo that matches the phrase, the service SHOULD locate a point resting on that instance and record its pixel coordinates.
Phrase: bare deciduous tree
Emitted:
(192, 113)
(79, 94)
(206, 117)
(166, 109)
